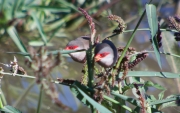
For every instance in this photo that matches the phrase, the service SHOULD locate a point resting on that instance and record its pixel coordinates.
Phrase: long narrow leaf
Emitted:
(13, 34)
(10, 109)
(171, 99)
(15, 7)
(126, 98)
(96, 105)
(40, 99)
(24, 94)
(170, 45)
(65, 3)
(151, 74)
(153, 24)
(131, 38)
(51, 52)
(39, 26)
(48, 8)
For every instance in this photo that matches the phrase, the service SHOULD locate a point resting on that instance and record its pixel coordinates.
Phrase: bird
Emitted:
(105, 54)
(78, 44)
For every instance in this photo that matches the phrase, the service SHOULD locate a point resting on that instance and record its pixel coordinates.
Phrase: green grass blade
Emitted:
(151, 84)
(50, 52)
(15, 7)
(130, 40)
(96, 105)
(1, 103)
(39, 26)
(2, 4)
(38, 43)
(59, 23)
(116, 102)
(126, 98)
(15, 37)
(3, 99)
(79, 96)
(10, 109)
(22, 96)
(171, 99)
(151, 74)
(65, 3)
(153, 24)
(48, 8)
(170, 45)
(40, 99)
(170, 104)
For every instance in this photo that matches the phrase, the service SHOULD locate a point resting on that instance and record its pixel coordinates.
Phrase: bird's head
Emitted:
(105, 54)
(76, 45)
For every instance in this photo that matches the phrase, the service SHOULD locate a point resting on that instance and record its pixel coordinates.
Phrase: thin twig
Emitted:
(24, 94)
(40, 99)
(142, 29)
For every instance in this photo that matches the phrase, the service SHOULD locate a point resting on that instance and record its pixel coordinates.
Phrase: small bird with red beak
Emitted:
(105, 54)
(78, 44)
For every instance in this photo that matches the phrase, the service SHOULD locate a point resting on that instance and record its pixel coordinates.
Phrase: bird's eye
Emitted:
(104, 54)
(71, 47)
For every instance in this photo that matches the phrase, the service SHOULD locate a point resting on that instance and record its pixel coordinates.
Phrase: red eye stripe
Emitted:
(71, 47)
(103, 54)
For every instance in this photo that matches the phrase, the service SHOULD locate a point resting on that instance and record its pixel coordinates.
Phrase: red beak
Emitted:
(97, 57)
(67, 48)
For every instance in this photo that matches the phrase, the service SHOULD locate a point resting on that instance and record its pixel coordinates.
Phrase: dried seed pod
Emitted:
(43, 63)
(159, 36)
(91, 24)
(174, 22)
(66, 81)
(177, 36)
(138, 59)
(121, 27)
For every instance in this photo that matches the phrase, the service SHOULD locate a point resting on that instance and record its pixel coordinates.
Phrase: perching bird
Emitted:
(78, 44)
(105, 54)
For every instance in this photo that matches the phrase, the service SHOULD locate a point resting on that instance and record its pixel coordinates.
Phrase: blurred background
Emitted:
(59, 21)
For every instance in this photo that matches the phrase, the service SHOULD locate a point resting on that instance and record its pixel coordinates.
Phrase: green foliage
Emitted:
(153, 24)
(9, 109)
(48, 18)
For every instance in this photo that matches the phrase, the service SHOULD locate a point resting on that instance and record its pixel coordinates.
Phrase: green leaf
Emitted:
(15, 7)
(151, 84)
(10, 109)
(48, 8)
(130, 40)
(126, 98)
(39, 43)
(174, 98)
(151, 74)
(170, 45)
(2, 4)
(15, 37)
(50, 52)
(96, 105)
(115, 102)
(78, 95)
(65, 3)
(153, 24)
(161, 95)
(171, 103)
(137, 110)
(40, 99)
(1, 104)
(39, 26)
